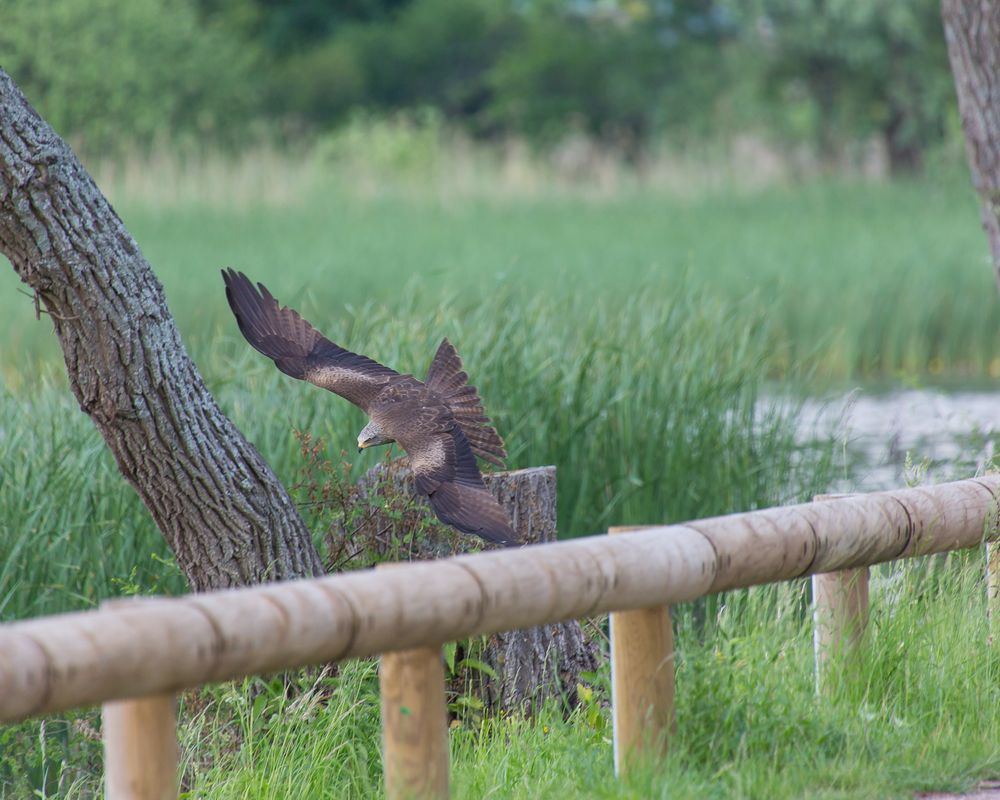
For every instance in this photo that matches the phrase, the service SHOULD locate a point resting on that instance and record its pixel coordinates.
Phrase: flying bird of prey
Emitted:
(440, 422)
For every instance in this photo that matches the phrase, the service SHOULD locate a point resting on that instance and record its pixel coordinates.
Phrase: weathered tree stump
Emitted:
(531, 665)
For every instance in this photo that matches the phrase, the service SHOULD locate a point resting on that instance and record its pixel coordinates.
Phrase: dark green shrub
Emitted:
(111, 75)
(834, 72)
(605, 79)
(433, 54)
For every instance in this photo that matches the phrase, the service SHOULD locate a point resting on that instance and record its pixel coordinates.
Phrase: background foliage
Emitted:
(626, 73)
(107, 73)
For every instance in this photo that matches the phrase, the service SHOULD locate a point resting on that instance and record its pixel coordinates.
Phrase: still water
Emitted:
(884, 441)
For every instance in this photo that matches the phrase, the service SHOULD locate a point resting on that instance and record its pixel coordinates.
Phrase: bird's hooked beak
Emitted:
(371, 436)
(371, 441)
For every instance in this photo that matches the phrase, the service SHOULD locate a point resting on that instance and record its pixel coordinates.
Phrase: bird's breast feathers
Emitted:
(429, 456)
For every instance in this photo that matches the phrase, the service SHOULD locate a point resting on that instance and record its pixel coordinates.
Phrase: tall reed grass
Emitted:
(858, 280)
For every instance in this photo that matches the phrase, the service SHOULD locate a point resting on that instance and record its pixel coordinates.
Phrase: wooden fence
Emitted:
(134, 656)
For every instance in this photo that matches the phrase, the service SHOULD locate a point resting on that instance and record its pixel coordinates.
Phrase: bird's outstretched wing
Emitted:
(444, 469)
(298, 349)
(447, 377)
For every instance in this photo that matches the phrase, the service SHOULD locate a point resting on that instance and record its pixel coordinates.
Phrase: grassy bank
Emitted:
(624, 335)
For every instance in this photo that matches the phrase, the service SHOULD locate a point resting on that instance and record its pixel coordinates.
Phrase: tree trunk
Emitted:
(530, 665)
(220, 507)
(972, 32)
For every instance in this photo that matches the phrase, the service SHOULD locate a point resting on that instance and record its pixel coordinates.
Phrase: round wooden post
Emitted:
(414, 725)
(993, 586)
(840, 612)
(415, 757)
(642, 680)
(140, 739)
(140, 748)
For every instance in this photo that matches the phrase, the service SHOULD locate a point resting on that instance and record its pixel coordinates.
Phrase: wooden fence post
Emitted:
(415, 759)
(140, 748)
(840, 612)
(642, 680)
(414, 724)
(993, 587)
(140, 740)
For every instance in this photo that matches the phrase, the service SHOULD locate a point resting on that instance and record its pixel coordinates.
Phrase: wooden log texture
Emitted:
(164, 645)
(642, 680)
(840, 616)
(414, 725)
(840, 611)
(531, 665)
(140, 748)
(993, 586)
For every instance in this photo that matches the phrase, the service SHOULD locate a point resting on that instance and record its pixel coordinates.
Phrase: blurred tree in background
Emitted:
(620, 73)
(627, 73)
(111, 73)
(428, 54)
(855, 69)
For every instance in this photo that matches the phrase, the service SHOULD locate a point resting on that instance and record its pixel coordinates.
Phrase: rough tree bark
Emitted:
(972, 32)
(531, 665)
(534, 664)
(223, 512)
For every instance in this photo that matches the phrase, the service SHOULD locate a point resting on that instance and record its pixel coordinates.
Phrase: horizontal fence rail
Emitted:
(159, 646)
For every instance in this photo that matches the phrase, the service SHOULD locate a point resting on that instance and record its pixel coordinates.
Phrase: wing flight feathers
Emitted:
(297, 348)
(442, 439)
(447, 377)
(444, 469)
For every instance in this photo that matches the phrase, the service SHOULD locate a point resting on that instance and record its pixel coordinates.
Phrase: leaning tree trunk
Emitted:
(531, 665)
(972, 31)
(220, 507)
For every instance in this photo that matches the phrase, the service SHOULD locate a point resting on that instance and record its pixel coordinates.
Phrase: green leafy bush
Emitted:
(602, 78)
(435, 53)
(541, 72)
(836, 71)
(111, 75)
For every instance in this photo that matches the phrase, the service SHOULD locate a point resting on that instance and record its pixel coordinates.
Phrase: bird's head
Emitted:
(372, 436)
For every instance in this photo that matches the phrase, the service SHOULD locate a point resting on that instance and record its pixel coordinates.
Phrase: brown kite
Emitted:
(440, 422)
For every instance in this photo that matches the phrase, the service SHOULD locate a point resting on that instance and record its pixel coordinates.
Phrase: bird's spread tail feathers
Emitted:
(448, 379)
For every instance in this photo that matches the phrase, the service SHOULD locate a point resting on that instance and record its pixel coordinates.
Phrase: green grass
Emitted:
(872, 281)
(909, 717)
(626, 336)
(856, 280)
